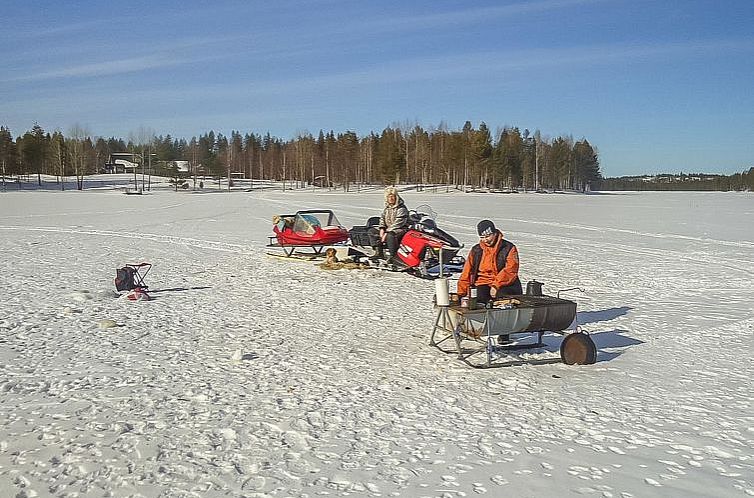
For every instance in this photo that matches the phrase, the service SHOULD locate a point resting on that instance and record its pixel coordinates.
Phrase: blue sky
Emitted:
(656, 86)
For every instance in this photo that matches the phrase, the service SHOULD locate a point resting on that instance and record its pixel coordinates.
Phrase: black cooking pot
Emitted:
(534, 288)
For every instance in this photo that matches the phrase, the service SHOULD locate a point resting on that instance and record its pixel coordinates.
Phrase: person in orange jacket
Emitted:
(491, 267)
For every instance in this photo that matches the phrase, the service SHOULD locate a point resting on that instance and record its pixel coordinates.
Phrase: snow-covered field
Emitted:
(252, 376)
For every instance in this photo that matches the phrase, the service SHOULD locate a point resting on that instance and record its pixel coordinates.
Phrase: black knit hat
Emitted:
(485, 228)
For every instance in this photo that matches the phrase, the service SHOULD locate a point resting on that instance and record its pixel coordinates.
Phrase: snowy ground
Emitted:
(335, 390)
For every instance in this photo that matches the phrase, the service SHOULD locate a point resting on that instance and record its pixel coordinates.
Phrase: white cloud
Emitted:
(466, 16)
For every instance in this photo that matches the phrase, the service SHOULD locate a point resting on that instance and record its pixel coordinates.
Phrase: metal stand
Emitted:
(484, 335)
(443, 314)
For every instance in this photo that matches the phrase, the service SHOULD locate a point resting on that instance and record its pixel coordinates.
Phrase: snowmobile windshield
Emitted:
(309, 221)
(424, 215)
(306, 223)
(425, 211)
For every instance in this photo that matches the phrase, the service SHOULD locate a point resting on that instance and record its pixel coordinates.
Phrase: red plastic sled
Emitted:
(313, 229)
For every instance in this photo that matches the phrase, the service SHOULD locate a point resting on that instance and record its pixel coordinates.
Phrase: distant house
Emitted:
(124, 166)
(321, 181)
(182, 166)
(126, 162)
(120, 162)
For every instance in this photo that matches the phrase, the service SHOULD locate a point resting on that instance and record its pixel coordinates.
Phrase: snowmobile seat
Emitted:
(359, 234)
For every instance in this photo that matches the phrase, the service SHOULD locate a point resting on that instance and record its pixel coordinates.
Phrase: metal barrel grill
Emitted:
(534, 314)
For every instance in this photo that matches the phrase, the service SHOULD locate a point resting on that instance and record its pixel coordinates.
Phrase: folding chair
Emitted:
(131, 278)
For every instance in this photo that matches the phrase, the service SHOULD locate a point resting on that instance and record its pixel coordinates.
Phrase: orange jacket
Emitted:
(489, 273)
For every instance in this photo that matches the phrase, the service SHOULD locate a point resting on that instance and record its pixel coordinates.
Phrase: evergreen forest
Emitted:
(681, 181)
(469, 158)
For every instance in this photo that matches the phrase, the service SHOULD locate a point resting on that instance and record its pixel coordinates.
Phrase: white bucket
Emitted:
(341, 253)
(441, 292)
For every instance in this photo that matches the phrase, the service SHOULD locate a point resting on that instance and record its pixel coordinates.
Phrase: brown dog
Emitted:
(333, 263)
(331, 256)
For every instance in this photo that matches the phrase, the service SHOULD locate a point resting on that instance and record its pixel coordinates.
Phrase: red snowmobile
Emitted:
(421, 250)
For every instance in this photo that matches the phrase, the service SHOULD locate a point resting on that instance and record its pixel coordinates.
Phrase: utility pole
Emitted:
(193, 162)
(149, 178)
(536, 164)
(142, 168)
(133, 161)
(230, 159)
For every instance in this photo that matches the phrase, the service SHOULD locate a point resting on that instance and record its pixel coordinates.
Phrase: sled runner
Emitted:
(312, 229)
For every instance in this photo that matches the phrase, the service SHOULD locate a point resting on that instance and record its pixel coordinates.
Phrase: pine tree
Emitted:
(59, 154)
(34, 151)
(510, 153)
(482, 153)
(586, 165)
(391, 159)
(8, 154)
(560, 163)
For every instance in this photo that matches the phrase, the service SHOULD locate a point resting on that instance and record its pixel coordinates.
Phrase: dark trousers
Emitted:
(392, 239)
(483, 291)
(483, 297)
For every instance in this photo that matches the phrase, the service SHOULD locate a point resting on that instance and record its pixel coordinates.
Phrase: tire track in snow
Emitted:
(170, 239)
(652, 253)
(572, 226)
(133, 210)
(348, 209)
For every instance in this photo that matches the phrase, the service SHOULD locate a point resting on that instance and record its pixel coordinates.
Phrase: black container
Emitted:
(360, 236)
(534, 288)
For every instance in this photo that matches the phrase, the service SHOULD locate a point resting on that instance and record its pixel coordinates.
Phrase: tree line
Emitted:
(681, 182)
(467, 158)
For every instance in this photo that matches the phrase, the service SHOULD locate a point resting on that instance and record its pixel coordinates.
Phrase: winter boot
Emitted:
(504, 340)
(393, 263)
(378, 254)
